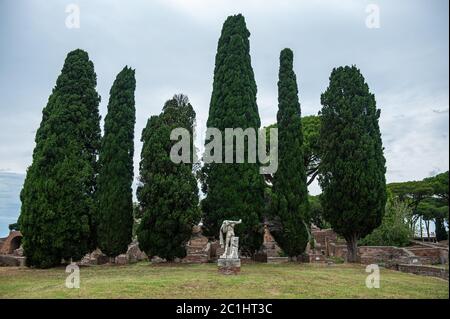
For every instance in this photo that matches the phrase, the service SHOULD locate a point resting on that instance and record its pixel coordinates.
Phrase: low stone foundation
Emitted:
(383, 254)
(424, 270)
(229, 266)
(12, 261)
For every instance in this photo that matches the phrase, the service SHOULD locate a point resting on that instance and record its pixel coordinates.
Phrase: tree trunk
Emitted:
(421, 229)
(352, 249)
(427, 226)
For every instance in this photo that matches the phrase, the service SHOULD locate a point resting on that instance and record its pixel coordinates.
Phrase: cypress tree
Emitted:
(168, 193)
(234, 190)
(290, 204)
(57, 198)
(353, 165)
(114, 192)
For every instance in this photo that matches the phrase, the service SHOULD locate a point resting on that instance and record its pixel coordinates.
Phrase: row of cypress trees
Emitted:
(73, 203)
(77, 192)
(351, 169)
(237, 191)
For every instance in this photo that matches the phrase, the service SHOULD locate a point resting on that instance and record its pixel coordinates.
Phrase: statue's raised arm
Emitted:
(235, 222)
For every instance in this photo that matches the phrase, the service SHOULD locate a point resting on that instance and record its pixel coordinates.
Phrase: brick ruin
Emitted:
(11, 243)
(198, 248)
(11, 252)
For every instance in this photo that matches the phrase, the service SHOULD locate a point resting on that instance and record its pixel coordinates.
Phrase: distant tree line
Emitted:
(427, 201)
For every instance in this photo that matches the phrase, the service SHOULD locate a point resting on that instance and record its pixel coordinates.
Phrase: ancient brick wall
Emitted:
(11, 243)
(433, 255)
(382, 254)
(424, 270)
(337, 250)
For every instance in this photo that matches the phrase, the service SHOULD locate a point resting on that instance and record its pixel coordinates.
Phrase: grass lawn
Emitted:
(144, 280)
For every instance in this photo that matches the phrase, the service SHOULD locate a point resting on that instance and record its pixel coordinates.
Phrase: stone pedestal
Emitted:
(229, 266)
(270, 246)
(197, 250)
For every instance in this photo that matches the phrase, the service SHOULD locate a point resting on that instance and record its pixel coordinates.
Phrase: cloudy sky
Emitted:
(172, 44)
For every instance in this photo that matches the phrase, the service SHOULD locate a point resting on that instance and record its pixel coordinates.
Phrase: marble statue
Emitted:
(230, 244)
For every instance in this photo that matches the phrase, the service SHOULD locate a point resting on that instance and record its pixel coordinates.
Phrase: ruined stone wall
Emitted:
(432, 255)
(424, 270)
(382, 254)
(337, 250)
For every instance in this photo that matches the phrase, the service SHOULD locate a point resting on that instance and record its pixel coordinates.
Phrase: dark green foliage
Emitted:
(428, 200)
(311, 148)
(168, 193)
(439, 184)
(13, 226)
(441, 232)
(234, 190)
(412, 191)
(352, 169)
(137, 215)
(433, 209)
(316, 212)
(290, 202)
(114, 193)
(57, 197)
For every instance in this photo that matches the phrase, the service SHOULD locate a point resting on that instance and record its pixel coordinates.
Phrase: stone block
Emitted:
(157, 260)
(12, 261)
(122, 259)
(134, 253)
(229, 266)
(18, 252)
(94, 258)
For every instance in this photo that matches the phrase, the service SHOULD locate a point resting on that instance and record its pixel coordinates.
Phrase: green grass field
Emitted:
(144, 280)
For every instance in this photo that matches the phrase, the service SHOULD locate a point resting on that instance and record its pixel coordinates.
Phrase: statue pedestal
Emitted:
(229, 266)
(197, 250)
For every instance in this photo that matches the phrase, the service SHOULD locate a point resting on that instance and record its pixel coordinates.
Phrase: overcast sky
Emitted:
(172, 45)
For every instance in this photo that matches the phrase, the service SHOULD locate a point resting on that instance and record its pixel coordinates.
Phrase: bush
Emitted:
(394, 230)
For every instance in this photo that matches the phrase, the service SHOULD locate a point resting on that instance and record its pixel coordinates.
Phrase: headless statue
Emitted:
(227, 228)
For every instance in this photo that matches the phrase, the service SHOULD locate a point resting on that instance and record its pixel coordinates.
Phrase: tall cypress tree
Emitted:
(353, 165)
(290, 204)
(234, 191)
(168, 194)
(114, 193)
(57, 198)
